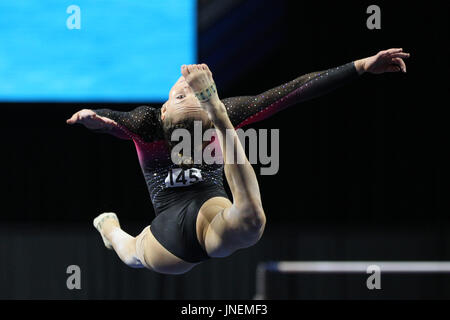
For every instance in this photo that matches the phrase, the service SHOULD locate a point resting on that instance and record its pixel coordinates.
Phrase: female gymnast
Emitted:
(195, 220)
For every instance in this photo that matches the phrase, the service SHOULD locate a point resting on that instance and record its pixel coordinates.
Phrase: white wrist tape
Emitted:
(205, 94)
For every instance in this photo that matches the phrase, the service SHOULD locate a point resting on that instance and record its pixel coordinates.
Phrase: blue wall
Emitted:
(124, 51)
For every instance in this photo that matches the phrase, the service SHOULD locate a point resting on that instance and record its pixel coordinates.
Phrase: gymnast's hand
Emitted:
(390, 60)
(91, 120)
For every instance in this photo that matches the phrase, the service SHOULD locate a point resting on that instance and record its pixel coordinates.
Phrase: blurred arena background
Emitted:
(362, 175)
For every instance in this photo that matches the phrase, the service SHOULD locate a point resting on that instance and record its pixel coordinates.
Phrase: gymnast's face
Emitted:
(182, 104)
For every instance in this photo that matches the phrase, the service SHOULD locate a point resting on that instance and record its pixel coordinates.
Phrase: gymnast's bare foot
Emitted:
(199, 78)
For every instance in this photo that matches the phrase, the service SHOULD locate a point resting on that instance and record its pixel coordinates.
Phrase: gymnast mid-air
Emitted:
(195, 220)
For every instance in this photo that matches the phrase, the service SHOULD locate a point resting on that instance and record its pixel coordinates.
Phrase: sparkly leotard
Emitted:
(178, 207)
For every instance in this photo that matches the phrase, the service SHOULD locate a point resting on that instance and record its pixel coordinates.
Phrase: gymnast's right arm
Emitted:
(137, 123)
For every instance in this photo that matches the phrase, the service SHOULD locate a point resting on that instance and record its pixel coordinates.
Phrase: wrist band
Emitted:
(205, 94)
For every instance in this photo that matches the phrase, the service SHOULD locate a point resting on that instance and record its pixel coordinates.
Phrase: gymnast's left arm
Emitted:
(249, 109)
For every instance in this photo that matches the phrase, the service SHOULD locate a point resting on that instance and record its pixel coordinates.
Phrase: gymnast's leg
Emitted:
(239, 224)
(117, 239)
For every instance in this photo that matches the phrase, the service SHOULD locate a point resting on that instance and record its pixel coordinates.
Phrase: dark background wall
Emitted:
(363, 172)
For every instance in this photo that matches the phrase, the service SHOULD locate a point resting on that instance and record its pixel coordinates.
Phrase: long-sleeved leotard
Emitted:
(143, 126)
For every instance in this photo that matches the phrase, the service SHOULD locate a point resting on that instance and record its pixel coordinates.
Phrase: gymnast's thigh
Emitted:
(157, 258)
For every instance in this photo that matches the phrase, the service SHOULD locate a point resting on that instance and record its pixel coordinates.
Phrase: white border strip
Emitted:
(343, 267)
(360, 266)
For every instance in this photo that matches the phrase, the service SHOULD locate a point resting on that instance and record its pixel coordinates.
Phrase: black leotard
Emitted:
(174, 225)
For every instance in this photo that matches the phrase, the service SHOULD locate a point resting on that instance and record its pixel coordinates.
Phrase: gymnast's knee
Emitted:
(253, 224)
